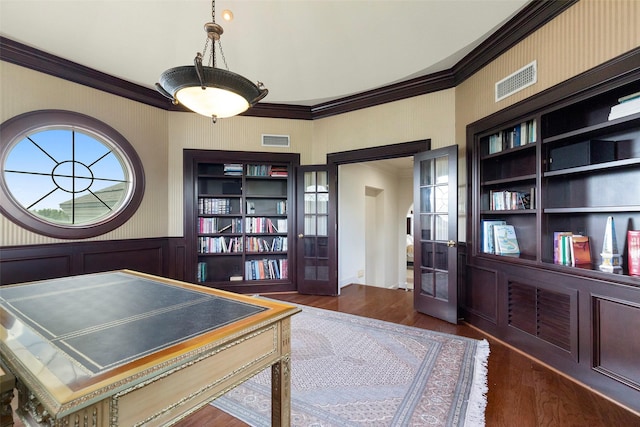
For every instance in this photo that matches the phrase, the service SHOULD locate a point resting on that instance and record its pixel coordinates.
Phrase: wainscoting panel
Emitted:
(159, 256)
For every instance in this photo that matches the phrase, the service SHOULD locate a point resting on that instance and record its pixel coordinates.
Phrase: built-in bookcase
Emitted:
(507, 183)
(581, 169)
(591, 171)
(238, 219)
(575, 169)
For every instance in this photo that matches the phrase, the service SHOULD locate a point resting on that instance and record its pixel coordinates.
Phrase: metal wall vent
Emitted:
(524, 77)
(275, 140)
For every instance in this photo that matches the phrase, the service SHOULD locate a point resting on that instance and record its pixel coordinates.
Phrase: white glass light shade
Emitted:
(225, 93)
(212, 101)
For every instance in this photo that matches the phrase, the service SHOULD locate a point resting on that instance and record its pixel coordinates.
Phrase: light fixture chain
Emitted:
(224, 60)
(204, 51)
(213, 11)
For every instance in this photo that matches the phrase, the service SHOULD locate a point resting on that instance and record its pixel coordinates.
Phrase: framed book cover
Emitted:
(506, 241)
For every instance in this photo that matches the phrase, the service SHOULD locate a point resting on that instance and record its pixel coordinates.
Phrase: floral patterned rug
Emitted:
(354, 371)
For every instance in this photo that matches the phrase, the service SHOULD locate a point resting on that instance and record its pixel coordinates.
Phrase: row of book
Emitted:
(258, 244)
(218, 245)
(511, 200)
(571, 249)
(219, 225)
(267, 170)
(221, 244)
(201, 272)
(521, 134)
(265, 225)
(263, 269)
(626, 106)
(266, 269)
(214, 206)
(499, 238)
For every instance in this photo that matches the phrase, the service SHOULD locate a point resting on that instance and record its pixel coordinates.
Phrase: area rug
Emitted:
(354, 371)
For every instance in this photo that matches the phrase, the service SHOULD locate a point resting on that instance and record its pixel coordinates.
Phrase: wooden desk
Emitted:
(129, 349)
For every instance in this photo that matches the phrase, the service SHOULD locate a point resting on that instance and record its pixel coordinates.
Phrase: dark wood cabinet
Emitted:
(238, 219)
(579, 166)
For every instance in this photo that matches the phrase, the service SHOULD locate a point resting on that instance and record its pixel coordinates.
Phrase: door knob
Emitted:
(300, 236)
(451, 243)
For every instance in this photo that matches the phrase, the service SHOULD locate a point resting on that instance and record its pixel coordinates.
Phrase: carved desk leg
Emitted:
(281, 380)
(7, 384)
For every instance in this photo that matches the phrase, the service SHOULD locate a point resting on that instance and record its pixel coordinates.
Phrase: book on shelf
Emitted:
(626, 106)
(633, 238)
(267, 170)
(486, 235)
(505, 240)
(279, 171)
(561, 251)
(511, 199)
(521, 134)
(201, 272)
(233, 169)
(236, 278)
(580, 250)
(571, 249)
(213, 206)
(265, 269)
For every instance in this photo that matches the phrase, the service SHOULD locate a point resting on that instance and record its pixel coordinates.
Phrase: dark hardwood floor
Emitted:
(522, 392)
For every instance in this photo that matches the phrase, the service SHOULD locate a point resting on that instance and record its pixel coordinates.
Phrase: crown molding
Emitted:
(533, 16)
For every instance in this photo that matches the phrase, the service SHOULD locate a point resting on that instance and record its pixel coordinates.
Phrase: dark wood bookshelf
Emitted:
(247, 201)
(595, 175)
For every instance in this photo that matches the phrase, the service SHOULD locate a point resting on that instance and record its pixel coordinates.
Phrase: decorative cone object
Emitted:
(611, 259)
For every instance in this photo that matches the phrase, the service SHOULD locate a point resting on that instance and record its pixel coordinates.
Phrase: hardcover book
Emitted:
(506, 242)
(487, 237)
(560, 253)
(633, 237)
(580, 250)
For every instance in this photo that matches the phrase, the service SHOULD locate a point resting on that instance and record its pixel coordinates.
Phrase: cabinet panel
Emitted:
(617, 342)
(481, 293)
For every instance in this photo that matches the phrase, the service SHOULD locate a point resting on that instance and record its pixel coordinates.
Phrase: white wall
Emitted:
(390, 196)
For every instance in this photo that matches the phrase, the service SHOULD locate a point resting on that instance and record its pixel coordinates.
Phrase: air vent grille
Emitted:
(275, 140)
(524, 77)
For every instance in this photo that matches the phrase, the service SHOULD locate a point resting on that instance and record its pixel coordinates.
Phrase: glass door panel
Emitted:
(436, 234)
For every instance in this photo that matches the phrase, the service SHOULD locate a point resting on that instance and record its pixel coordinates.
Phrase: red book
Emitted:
(633, 237)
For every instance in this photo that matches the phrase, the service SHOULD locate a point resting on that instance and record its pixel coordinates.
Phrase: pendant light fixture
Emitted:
(208, 90)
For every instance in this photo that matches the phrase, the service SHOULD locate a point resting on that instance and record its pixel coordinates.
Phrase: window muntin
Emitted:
(67, 175)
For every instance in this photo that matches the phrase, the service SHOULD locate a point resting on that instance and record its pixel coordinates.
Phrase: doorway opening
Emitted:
(374, 201)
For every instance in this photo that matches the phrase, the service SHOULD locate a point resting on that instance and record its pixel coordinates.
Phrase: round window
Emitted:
(67, 175)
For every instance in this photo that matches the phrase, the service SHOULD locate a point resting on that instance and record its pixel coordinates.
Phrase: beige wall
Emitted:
(587, 34)
(144, 127)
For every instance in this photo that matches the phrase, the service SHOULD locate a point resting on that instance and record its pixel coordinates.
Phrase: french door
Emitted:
(435, 233)
(316, 239)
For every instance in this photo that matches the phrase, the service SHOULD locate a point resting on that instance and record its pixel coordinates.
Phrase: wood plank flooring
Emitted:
(522, 392)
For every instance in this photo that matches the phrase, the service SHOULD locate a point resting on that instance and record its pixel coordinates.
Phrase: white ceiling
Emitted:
(304, 51)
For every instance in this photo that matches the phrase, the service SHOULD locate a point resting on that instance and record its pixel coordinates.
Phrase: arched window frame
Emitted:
(16, 128)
